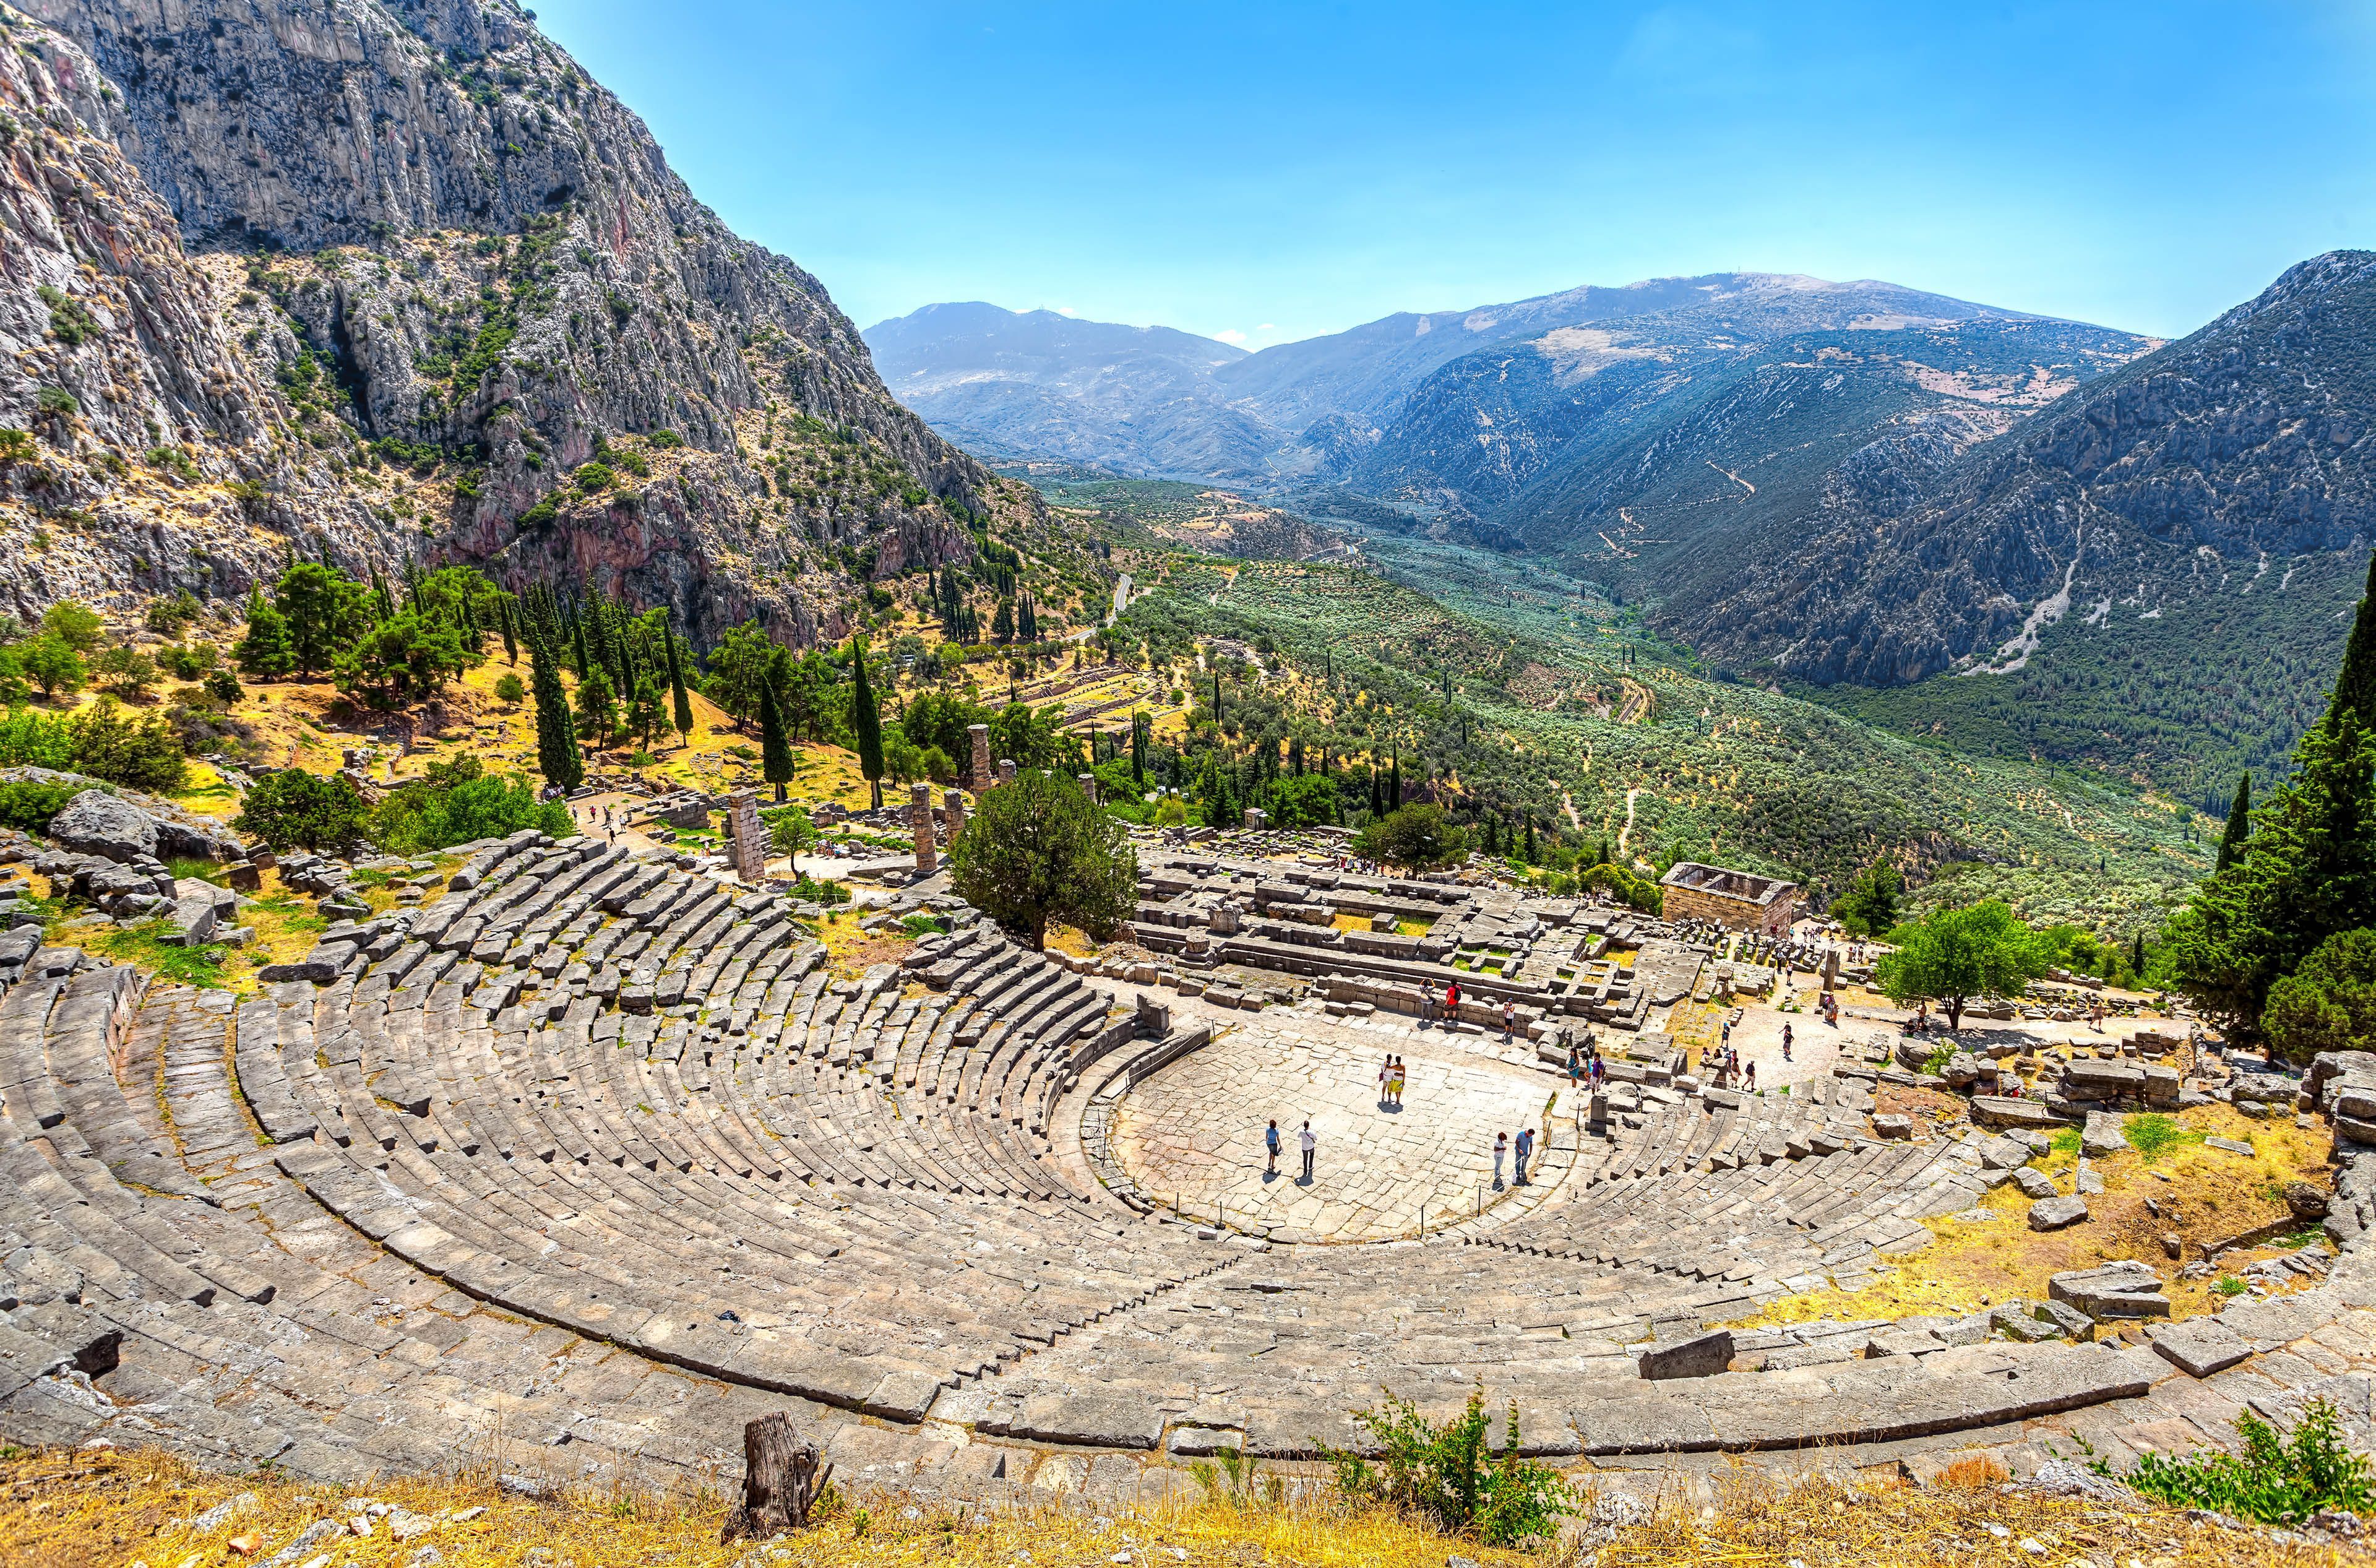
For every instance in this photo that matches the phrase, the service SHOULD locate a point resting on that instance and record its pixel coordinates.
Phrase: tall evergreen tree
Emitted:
(557, 757)
(1138, 728)
(683, 711)
(1394, 783)
(866, 722)
(2240, 827)
(511, 639)
(775, 749)
(578, 646)
(2354, 684)
(2307, 872)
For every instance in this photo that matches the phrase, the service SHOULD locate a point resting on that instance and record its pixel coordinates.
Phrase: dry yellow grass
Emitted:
(112, 1510)
(2209, 1195)
(850, 951)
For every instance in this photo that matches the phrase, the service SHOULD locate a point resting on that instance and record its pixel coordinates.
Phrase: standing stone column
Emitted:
(1089, 782)
(1007, 770)
(920, 816)
(978, 759)
(953, 807)
(746, 841)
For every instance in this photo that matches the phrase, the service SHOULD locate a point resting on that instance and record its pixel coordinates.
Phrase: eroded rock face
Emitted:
(411, 236)
(96, 823)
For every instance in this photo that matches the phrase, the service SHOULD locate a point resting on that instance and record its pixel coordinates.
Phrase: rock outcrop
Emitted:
(395, 279)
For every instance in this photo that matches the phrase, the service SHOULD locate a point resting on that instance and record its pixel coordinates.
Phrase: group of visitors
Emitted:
(1526, 1151)
(1309, 1142)
(1391, 1078)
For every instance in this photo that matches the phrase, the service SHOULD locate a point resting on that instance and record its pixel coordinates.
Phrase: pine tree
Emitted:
(557, 757)
(866, 723)
(775, 751)
(683, 713)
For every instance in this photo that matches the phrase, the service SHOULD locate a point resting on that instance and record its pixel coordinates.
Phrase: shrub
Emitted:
(138, 750)
(31, 804)
(459, 801)
(2278, 1480)
(810, 890)
(509, 688)
(223, 686)
(1448, 1475)
(294, 809)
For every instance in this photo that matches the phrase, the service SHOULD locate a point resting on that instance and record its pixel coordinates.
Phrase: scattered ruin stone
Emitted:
(2057, 1214)
(2121, 1289)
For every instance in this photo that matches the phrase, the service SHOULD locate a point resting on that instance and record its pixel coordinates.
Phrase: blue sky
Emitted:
(1261, 172)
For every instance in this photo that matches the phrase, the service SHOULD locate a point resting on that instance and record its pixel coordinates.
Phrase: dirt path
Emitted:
(1625, 832)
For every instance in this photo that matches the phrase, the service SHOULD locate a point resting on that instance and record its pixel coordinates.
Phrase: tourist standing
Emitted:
(1386, 1081)
(1526, 1151)
(1786, 1043)
(1395, 1078)
(1749, 1082)
(1270, 1142)
(1509, 1021)
(1501, 1152)
(1452, 1002)
(1311, 1145)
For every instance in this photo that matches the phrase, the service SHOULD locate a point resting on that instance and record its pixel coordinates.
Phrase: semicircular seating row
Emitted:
(586, 1089)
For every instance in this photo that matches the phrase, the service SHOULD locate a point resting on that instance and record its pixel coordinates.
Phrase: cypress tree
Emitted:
(1394, 783)
(1377, 797)
(1530, 840)
(775, 751)
(511, 641)
(1138, 749)
(684, 709)
(1216, 699)
(2354, 684)
(577, 644)
(2240, 827)
(866, 723)
(557, 757)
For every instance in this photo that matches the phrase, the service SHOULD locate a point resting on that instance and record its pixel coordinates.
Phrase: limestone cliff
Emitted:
(396, 274)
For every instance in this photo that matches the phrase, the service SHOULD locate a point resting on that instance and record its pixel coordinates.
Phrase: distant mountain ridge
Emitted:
(1163, 404)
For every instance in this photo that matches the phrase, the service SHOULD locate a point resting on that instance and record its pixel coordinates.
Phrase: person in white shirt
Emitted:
(1501, 1152)
(1310, 1144)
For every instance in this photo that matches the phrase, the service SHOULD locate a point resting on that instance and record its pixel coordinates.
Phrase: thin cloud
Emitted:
(1231, 335)
(1067, 310)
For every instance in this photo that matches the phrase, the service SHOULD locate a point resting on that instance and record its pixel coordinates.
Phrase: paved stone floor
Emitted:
(1197, 1129)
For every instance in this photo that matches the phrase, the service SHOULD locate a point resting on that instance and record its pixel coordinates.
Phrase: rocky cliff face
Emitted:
(2187, 471)
(438, 273)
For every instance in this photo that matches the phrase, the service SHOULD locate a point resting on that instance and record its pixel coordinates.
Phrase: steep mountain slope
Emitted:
(1140, 399)
(1658, 451)
(2189, 473)
(458, 272)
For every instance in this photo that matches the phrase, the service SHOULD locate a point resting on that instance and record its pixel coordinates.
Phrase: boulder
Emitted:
(2101, 1135)
(2057, 1214)
(2068, 1320)
(2126, 1288)
(1893, 1126)
(2271, 1088)
(2004, 1154)
(96, 823)
(1961, 1071)
(2032, 1182)
(2306, 1201)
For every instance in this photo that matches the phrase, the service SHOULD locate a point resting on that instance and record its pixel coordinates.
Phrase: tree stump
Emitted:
(780, 1481)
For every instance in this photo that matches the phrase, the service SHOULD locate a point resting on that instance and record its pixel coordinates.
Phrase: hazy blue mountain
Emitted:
(1136, 399)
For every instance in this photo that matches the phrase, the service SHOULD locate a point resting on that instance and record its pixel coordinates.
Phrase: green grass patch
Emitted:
(2155, 1135)
(2066, 1141)
(197, 869)
(144, 945)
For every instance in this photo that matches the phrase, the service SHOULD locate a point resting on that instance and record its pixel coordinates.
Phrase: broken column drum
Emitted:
(919, 817)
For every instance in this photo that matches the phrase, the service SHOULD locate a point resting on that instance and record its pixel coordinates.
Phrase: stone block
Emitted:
(1996, 1110)
(2057, 1214)
(2199, 1347)
(1704, 1355)
(1893, 1126)
(2034, 1182)
(2122, 1290)
(2067, 1319)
